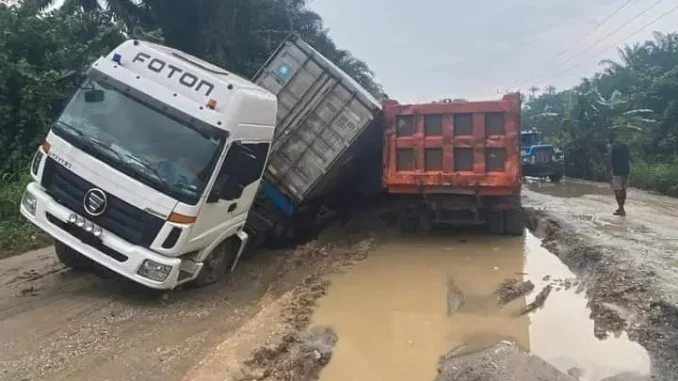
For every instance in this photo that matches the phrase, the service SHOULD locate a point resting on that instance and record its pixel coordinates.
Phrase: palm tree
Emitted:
(126, 10)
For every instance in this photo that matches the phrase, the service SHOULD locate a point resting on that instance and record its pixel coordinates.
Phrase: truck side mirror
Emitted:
(94, 96)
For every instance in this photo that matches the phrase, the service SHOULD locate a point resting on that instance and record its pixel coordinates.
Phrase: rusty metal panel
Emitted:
(405, 125)
(465, 148)
(494, 123)
(495, 159)
(463, 124)
(405, 159)
(433, 159)
(433, 125)
(463, 159)
(322, 114)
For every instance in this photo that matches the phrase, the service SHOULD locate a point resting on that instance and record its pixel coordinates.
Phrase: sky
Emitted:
(424, 50)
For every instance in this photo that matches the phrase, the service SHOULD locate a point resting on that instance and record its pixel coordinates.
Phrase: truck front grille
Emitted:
(542, 156)
(120, 218)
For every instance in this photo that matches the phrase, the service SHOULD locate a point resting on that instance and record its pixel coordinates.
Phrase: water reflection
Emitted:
(391, 310)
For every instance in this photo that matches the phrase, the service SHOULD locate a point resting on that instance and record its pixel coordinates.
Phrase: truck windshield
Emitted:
(529, 139)
(153, 147)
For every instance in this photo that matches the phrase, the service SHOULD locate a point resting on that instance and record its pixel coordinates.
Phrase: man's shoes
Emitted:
(620, 212)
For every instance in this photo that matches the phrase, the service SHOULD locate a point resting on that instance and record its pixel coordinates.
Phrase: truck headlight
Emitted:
(154, 271)
(29, 202)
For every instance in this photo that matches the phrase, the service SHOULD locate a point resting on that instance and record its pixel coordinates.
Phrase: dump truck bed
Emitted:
(323, 115)
(453, 148)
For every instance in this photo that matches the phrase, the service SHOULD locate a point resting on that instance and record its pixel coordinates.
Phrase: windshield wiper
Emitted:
(99, 144)
(90, 141)
(72, 129)
(150, 168)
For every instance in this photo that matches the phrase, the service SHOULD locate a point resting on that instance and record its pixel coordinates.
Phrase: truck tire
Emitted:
(556, 178)
(495, 223)
(217, 263)
(514, 224)
(72, 259)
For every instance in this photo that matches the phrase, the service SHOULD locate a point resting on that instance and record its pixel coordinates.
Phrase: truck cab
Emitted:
(150, 170)
(540, 159)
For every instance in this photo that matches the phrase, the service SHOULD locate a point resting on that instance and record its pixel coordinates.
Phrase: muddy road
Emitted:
(588, 296)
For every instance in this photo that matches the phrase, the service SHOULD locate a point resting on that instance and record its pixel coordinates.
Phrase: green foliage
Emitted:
(16, 234)
(636, 98)
(36, 54)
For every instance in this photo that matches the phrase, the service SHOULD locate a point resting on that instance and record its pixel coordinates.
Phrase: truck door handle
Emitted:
(232, 207)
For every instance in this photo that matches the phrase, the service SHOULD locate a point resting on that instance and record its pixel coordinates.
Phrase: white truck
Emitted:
(152, 167)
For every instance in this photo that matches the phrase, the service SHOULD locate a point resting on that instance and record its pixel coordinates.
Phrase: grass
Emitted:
(660, 177)
(16, 234)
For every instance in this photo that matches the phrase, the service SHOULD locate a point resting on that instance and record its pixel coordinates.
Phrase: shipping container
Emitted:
(455, 162)
(325, 133)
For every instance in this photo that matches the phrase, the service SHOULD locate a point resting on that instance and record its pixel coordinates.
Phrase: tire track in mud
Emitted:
(622, 298)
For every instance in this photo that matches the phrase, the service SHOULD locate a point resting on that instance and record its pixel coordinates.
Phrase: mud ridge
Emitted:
(301, 351)
(621, 298)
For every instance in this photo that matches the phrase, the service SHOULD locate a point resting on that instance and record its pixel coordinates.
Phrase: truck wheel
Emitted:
(556, 178)
(217, 263)
(495, 222)
(514, 222)
(73, 259)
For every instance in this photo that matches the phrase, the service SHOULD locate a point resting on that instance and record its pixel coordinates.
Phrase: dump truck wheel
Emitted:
(495, 222)
(73, 259)
(514, 222)
(217, 263)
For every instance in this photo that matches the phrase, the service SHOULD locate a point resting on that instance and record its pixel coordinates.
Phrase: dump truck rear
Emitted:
(325, 134)
(454, 163)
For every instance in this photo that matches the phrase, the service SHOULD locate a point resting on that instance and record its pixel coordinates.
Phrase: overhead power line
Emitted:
(621, 41)
(615, 31)
(606, 19)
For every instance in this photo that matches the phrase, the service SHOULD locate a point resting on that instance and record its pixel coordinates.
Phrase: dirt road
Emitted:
(629, 264)
(616, 276)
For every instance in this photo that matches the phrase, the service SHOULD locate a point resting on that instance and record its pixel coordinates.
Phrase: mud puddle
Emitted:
(417, 298)
(567, 188)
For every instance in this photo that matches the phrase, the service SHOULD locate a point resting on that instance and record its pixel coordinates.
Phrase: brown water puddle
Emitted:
(391, 311)
(567, 188)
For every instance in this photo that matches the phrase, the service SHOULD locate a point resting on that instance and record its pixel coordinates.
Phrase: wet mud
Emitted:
(511, 289)
(626, 298)
(364, 303)
(415, 298)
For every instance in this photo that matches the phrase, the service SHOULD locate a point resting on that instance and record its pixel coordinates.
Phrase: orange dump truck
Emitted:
(454, 162)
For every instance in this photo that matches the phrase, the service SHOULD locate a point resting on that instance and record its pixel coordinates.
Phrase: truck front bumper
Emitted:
(50, 216)
(542, 170)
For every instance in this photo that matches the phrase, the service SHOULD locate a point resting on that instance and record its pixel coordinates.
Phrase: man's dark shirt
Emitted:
(620, 158)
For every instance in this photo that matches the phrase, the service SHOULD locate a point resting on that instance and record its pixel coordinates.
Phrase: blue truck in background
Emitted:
(540, 159)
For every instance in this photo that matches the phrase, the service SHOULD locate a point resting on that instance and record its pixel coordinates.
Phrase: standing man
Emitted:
(619, 163)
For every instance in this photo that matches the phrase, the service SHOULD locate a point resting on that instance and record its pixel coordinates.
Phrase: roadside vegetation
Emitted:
(40, 49)
(634, 95)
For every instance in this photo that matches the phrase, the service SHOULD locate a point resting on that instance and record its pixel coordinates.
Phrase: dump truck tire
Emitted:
(73, 259)
(495, 223)
(217, 263)
(514, 224)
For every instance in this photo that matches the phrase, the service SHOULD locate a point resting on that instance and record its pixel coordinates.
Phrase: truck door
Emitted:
(234, 190)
